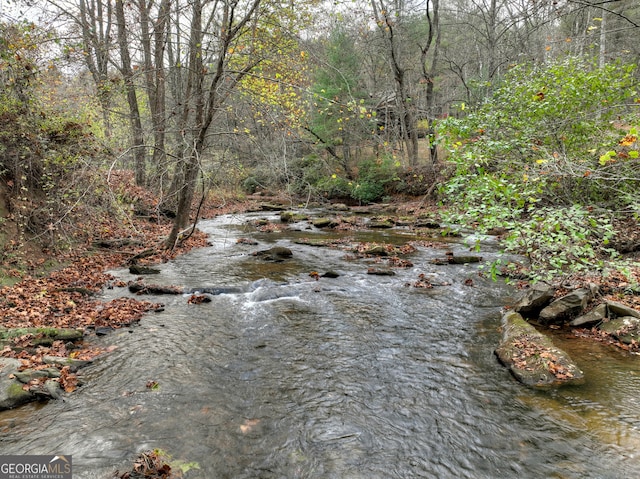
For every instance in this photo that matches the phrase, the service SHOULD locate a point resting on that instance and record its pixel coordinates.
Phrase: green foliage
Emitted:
(334, 187)
(562, 240)
(553, 140)
(47, 157)
(339, 113)
(250, 185)
(486, 200)
(18, 69)
(374, 177)
(554, 125)
(372, 183)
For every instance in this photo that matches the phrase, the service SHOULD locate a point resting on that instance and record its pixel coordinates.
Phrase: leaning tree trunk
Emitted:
(189, 174)
(204, 98)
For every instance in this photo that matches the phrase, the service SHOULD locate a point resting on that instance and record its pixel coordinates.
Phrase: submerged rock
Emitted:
(139, 269)
(532, 357)
(277, 253)
(451, 259)
(330, 274)
(456, 259)
(381, 272)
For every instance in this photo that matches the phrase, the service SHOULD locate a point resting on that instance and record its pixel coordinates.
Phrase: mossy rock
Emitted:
(292, 217)
(384, 223)
(11, 392)
(324, 222)
(532, 357)
(42, 336)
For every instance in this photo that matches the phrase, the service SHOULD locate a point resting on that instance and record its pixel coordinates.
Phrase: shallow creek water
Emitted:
(360, 376)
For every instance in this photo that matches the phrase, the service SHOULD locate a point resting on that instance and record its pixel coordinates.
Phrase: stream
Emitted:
(359, 376)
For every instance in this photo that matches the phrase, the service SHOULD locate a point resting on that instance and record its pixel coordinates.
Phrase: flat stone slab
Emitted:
(593, 317)
(626, 329)
(620, 310)
(532, 357)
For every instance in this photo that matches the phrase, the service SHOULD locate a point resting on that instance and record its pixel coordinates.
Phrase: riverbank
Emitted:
(49, 311)
(84, 275)
(63, 299)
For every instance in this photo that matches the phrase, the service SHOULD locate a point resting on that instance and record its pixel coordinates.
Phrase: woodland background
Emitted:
(512, 114)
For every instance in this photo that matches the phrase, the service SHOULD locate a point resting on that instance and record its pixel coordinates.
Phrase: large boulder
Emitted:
(532, 357)
(533, 299)
(567, 306)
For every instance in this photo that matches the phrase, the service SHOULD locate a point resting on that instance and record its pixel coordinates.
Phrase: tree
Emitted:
(339, 99)
(154, 38)
(389, 17)
(216, 32)
(132, 97)
(430, 47)
(95, 20)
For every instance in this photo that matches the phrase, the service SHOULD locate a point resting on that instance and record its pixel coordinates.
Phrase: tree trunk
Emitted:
(153, 47)
(405, 105)
(429, 72)
(95, 23)
(138, 148)
(206, 99)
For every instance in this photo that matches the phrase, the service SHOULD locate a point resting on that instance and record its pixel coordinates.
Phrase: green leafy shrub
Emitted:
(550, 125)
(250, 185)
(334, 187)
(552, 141)
(562, 240)
(375, 179)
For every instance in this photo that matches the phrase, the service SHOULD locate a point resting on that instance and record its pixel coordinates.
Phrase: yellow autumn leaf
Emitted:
(628, 140)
